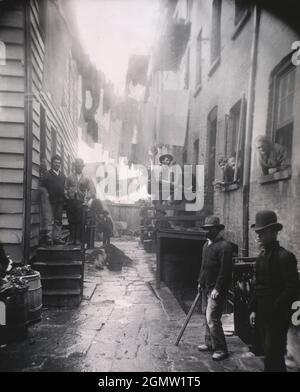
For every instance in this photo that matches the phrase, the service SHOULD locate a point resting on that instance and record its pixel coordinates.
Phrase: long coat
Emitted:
(216, 267)
(277, 281)
(82, 189)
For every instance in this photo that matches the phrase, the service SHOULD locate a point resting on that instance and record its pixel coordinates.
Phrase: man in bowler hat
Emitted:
(214, 281)
(274, 292)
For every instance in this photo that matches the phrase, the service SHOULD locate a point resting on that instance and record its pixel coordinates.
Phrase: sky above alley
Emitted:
(112, 30)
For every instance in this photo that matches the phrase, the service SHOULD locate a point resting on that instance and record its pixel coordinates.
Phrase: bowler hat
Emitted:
(212, 221)
(265, 219)
(162, 157)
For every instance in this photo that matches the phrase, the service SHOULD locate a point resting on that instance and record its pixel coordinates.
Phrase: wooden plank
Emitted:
(35, 209)
(11, 191)
(12, 100)
(35, 219)
(12, 83)
(12, 115)
(36, 131)
(37, 69)
(8, 206)
(36, 159)
(35, 183)
(38, 54)
(11, 221)
(12, 130)
(11, 36)
(12, 68)
(11, 161)
(35, 196)
(11, 236)
(36, 33)
(15, 146)
(12, 176)
(37, 61)
(36, 144)
(36, 37)
(12, 19)
(14, 52)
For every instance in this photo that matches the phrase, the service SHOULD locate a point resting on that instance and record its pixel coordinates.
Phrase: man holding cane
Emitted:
(214, 281)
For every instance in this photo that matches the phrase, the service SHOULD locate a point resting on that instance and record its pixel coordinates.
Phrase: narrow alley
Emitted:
(123, 324)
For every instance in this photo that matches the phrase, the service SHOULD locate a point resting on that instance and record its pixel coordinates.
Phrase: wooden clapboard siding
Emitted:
(11, 35)
(13, 176)
(11, 206)
(11, 161)
(11, 191)
(11, 145)
(11, 100)
(12, 83)
(12, 131)
(10, 221)
(11, 236)
(12, 68)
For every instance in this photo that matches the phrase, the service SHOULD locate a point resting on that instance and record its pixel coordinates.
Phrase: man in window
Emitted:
(214, 281)
(272, 157)
(275, 291)
(53, 181)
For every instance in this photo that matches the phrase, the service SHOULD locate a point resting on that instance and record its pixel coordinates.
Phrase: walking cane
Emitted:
(187, 319)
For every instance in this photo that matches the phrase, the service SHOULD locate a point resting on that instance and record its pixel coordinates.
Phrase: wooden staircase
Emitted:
(62, 273)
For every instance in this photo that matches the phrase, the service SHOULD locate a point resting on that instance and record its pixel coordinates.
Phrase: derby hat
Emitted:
(212, 221)
(265, 219)
(162, 157)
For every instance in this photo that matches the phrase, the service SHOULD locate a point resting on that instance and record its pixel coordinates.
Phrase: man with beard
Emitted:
(275, 291)
(214, 281)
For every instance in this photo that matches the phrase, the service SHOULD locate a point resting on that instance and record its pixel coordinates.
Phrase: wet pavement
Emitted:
(123, 324)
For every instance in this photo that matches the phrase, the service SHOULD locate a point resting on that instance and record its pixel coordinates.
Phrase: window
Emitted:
(212, 121)
(53, 142)
(215, 47)
(199, 60)
(234, 146)
(184, 157)
(241, 8)
(232, 136)
(284, 108)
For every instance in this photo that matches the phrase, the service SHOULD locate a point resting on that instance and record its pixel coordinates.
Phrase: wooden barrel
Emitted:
(34, 297)
(16, 311)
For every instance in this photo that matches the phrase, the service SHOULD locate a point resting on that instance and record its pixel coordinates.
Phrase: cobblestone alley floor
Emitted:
(123, 324)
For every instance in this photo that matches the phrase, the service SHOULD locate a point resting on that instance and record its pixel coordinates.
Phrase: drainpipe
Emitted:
(27, 134)
(249, 130)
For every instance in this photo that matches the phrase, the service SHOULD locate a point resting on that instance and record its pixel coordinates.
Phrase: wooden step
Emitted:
(60, 252)
(62, 297)
(67, 282)
(57, 268)
(61, 292)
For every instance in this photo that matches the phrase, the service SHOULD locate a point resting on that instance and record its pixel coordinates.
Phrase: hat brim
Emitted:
(220, 226)
(276, 225)
(166, 156)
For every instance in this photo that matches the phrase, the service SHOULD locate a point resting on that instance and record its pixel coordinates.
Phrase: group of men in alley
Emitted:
(74, 192)
(276, 286)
